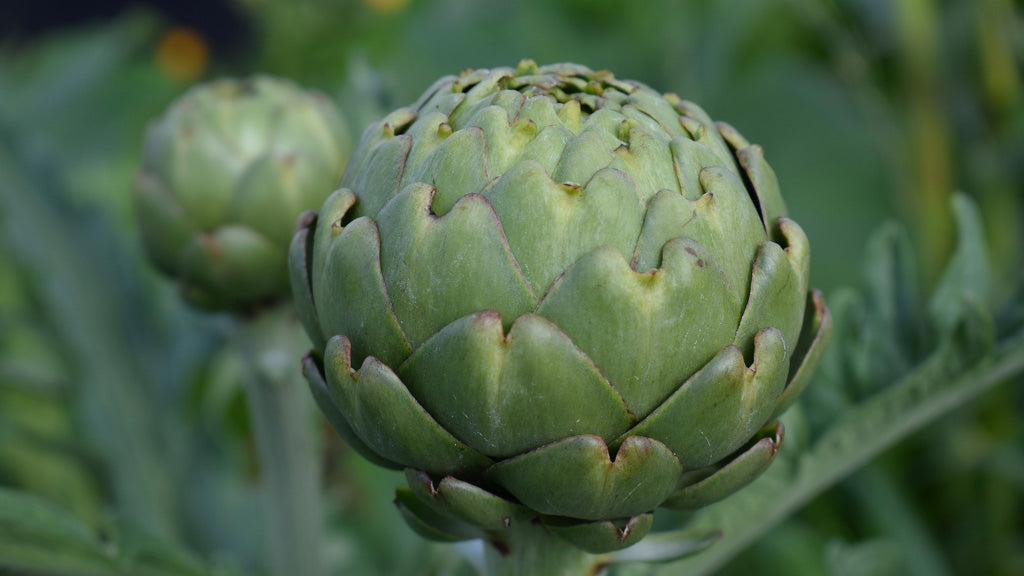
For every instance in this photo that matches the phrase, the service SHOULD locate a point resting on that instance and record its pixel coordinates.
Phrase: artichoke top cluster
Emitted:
(548, 293)
(225, 173)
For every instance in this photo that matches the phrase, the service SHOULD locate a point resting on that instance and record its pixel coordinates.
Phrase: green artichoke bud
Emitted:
(225, 173)
(549, 293)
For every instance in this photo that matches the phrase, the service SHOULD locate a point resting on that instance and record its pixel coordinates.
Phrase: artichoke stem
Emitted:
(529, 549)
(283, 420)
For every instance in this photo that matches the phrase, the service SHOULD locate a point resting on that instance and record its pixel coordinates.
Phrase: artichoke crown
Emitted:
(561, 292)
(225, 173)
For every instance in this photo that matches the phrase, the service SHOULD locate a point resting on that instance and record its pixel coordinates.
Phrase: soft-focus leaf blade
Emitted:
(38, 537)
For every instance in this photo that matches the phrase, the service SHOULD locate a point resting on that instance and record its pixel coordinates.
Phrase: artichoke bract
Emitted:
(548, 293)
(225, 173)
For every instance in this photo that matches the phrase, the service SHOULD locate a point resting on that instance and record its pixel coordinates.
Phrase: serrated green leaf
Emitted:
(89, 303)
(142, 554)
(870, 558)
(893, 331)
(968, 275)
(39, 537)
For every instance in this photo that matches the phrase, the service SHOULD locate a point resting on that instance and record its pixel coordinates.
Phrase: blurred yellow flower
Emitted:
(386, 6)
(182, 54)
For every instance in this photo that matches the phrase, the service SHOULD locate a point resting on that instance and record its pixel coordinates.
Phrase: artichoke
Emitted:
(547, 293)
(225, 173)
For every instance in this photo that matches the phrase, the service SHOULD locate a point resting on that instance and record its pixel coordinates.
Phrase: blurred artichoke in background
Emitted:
(549, 293)
(225, 173)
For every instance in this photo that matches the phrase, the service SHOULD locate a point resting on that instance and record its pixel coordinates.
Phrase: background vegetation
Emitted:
(124, 436)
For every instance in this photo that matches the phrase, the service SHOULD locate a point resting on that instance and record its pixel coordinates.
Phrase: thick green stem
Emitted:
(284, 425)
(528, 549)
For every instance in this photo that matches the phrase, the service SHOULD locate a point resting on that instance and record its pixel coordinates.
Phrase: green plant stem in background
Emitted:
(284, 426)
(528, 549)
(931, 178)
(996, 187)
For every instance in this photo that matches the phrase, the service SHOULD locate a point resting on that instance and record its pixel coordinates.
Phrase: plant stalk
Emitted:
(528, 549)
(283, 420)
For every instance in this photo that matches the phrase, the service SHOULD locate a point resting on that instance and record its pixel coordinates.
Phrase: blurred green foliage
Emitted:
(121, 407)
